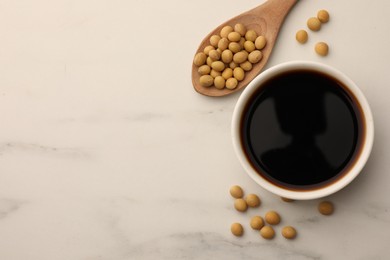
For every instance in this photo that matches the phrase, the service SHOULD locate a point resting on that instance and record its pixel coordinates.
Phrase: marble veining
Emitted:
(31, 148)
(206, 245)
(9, 206)
(377, 212)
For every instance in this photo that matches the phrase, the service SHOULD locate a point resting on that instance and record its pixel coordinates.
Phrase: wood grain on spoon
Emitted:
(266, 20)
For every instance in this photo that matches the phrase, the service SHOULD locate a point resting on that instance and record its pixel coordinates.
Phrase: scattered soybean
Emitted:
(267, 232)
(237, 229)
(240, 205)
(323, 16)
(321, 48)
(257, 222)
(236, 192)
(326, 208)
(272, 217)
(289, 232)
(314, 24)
(252, 200)
(301, 36)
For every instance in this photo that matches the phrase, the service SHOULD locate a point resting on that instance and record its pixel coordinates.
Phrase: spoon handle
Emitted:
(269, 17)
(277, 8)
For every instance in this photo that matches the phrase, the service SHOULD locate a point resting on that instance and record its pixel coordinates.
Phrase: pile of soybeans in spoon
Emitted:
(229, 55)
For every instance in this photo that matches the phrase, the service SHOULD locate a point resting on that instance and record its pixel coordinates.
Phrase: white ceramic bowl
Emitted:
(322, 191)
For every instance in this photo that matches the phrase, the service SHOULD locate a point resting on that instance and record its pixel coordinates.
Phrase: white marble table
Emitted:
(107, 152)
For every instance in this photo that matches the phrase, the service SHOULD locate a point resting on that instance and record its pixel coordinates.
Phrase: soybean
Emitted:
(321, 48)
(204, 70)
(301, 36)
(214, 55)
(214, 73)
(238, 74)
(206, 80)
(231, 83)
(314, 24)
(323, 16)
(257, 222)
(249, 46)
(234, 36)
(237, 229)
(240, 28)
(272, 217)
(233, 65)
(236, 192)
(286, 199)
(239, 204)
(227, 73)
(260, 42)
(223, 44)
(252, 200)
(234, 47)
(225, 31)
(227, 56)
(207, 49)
(218, 66)
(240, 57)
(255, 56)
(246, 66)
(289, 232)
(326, 208)
(241, 42)
(214, 40)
(219, 82)
(267, 232)
(200, 59)
(209, 61)
(251, 35)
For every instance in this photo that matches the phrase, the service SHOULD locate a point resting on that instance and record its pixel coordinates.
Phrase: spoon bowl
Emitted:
(266, 20)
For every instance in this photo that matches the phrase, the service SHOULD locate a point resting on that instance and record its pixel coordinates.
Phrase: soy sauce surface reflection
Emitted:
(301, 130)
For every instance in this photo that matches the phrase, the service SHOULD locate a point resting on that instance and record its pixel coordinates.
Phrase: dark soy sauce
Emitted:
(302, 130)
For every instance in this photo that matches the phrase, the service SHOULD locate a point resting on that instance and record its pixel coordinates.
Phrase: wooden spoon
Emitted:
(266, 20)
